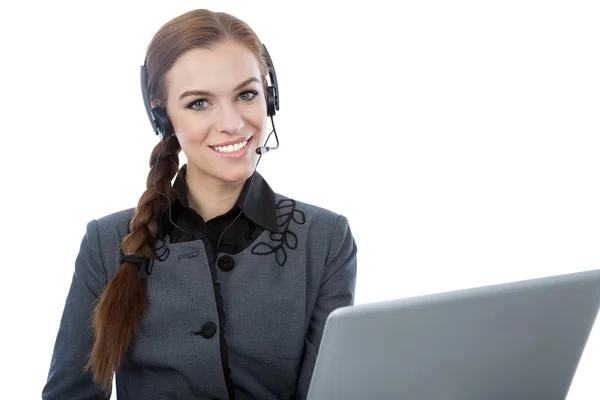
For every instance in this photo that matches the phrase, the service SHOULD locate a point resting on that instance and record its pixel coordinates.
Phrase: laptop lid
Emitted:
(518, 340)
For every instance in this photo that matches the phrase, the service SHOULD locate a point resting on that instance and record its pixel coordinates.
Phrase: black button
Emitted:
(208, 330)
(226, 263)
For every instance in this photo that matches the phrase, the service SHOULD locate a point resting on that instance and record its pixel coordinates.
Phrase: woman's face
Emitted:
(216, 103)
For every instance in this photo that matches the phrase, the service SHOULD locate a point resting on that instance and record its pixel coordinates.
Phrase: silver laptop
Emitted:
(519, 340)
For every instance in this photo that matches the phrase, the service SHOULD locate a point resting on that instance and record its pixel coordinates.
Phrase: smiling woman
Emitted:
(180, 309)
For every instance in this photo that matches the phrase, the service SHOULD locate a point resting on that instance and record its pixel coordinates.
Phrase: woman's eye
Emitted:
(199, 105)
(249, 95)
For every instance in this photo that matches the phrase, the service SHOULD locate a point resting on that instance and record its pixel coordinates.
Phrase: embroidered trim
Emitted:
(284, 239)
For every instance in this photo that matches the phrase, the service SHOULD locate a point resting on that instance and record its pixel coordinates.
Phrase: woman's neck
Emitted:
(211, 197)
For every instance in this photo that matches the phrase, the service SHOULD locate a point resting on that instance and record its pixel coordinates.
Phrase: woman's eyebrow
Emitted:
(206, 93)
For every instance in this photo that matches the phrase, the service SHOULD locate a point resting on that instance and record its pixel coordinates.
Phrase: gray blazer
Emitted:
(276, 301)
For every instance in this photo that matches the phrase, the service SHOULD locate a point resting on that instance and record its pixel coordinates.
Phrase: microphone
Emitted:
(265, 149)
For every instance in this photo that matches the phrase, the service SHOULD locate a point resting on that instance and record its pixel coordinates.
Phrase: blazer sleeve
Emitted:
(66, 379)
(337, 290)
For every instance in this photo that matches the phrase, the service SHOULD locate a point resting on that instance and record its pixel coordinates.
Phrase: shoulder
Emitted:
(317, 219)
(284, 203)
(117, 221)
(109, 229)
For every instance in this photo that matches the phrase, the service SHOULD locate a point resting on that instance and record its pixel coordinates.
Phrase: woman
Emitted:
(214, 287)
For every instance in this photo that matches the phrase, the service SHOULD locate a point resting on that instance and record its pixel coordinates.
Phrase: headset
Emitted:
(161, 124)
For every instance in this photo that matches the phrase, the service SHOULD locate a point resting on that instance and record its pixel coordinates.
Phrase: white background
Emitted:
(461, 140)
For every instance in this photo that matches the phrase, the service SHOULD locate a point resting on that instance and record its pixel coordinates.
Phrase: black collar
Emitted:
(259, 206)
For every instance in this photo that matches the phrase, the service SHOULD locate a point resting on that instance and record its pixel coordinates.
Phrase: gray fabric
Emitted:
(276, 301)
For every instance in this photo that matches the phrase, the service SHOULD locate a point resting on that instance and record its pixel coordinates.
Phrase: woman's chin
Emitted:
(236, 174)
(230, 172)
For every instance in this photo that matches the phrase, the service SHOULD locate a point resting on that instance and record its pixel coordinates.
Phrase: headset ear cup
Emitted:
(163, 122)
(271, 105)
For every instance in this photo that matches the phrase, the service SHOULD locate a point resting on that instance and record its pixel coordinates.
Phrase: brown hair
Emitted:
(123, 302)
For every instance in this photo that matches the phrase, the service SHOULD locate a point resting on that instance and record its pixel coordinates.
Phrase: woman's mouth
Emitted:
(237, 150)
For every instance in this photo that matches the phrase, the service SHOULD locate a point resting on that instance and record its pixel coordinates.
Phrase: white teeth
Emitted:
(232, 147)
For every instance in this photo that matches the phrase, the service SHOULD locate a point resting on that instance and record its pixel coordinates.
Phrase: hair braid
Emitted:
(123, 301)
